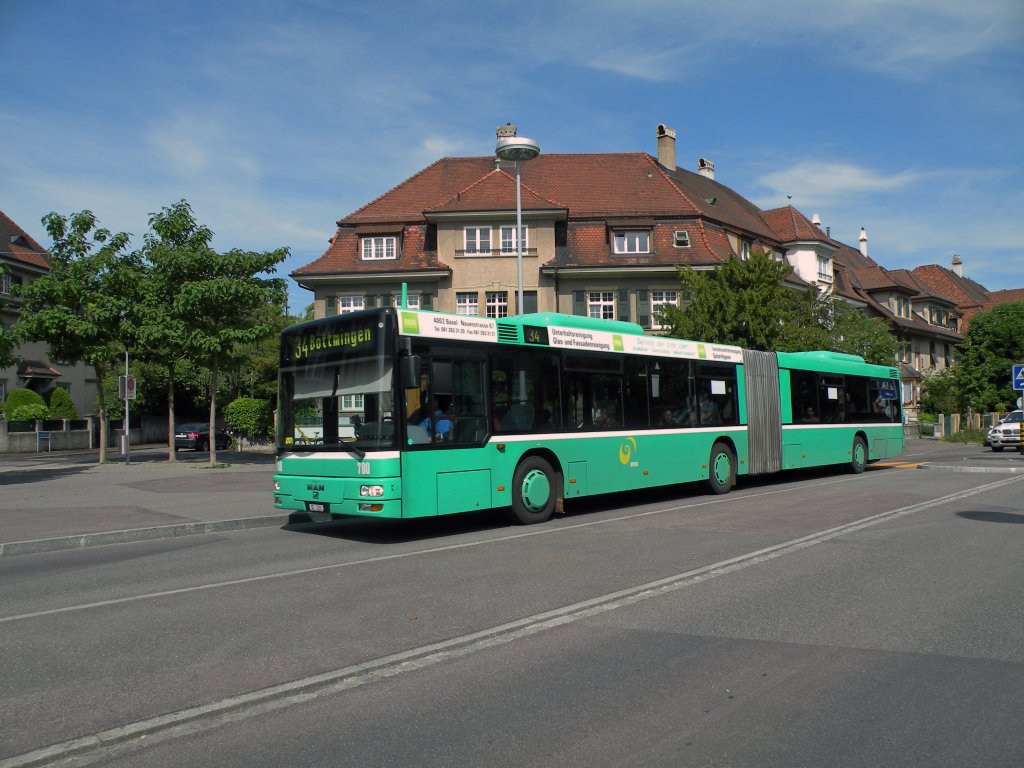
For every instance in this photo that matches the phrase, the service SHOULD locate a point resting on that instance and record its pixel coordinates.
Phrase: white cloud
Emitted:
(831, 183)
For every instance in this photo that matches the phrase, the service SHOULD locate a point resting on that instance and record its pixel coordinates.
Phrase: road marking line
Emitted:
(237, 708)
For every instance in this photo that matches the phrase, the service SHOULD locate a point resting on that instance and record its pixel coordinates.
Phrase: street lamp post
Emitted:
(517, 148)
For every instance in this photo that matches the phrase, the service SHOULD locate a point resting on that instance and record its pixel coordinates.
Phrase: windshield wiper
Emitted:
(353, 449)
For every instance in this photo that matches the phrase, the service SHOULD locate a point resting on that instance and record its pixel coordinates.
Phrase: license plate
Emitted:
(315, 506)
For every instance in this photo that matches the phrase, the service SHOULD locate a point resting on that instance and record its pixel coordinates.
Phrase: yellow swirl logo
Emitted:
(626, 450)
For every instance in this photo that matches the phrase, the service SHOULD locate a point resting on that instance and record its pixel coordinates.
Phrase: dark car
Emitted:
(197, 437)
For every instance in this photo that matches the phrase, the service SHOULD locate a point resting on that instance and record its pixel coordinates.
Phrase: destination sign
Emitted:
(438, 326)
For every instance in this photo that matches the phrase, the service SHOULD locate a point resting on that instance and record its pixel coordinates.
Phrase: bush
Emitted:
(61, 405)
(250, 418)
(21, 398)
(29, 412)
(927, 418)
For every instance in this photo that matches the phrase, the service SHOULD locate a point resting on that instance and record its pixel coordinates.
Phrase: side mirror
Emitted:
(409, 371)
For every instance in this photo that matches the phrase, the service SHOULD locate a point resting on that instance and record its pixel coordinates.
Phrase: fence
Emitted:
(74, 434)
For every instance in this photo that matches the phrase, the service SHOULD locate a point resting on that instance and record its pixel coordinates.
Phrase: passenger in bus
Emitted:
(439, 426)
(810, 417)
(668, 418)
(708, 409)
(608, 418)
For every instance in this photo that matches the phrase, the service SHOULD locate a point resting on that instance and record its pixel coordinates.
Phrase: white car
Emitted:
(1005, 434)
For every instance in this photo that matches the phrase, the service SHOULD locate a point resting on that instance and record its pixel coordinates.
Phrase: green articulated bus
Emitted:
(398, 413)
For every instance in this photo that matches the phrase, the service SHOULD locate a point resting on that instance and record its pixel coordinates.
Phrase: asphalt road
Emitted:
(818, 619)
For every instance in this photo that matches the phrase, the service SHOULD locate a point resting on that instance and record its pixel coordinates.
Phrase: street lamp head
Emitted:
(517, 148)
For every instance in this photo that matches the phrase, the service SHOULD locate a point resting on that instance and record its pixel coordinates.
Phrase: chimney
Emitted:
(816, 220)
(666, 146)
(958, 265)
(706, 168)
(863, 242)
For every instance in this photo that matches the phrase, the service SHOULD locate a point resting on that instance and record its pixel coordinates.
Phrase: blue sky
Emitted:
(275, 119)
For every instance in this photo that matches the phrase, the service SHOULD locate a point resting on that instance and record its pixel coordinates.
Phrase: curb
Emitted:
(63, 543)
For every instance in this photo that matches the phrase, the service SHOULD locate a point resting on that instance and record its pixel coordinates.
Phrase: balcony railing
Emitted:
(459, 252)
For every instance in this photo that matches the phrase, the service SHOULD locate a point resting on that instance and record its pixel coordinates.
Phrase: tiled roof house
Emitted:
(604, 235)
(24, 260)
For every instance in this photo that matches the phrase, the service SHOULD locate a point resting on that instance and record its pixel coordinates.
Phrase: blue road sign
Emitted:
(1018, 377)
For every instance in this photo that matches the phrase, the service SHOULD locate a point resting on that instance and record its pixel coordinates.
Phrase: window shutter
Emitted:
(425, 301)
(579, 303)
(622, 310)
(331, 305)
(643, 308)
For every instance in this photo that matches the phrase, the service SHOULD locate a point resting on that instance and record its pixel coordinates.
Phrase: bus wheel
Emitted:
(721, 469)
(534, 491)
(859, 455)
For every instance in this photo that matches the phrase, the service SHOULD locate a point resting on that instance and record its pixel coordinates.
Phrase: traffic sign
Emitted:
(1018, 377)
(126, 387)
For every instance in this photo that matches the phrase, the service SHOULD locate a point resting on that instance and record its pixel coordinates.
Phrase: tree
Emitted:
(171, 252)
(202, 306)
(741, 302)
(82, 307)
(995, 342)
(855, 333)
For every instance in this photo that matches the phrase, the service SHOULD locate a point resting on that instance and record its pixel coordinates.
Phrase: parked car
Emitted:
(1006, 433)
(197, 437)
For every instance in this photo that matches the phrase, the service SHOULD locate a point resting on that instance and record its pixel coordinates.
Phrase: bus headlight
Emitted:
(371, 490)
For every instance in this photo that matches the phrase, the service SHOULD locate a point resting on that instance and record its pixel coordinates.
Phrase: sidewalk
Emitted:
(65, 500)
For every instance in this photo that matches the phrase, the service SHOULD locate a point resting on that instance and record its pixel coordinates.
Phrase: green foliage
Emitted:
(250, 418)
(971, 435)
(741, 302)
(748, 304)
(29, 413)
(925, 417)
(61, 405)
(82, 308)
(20, 398)
(940, 392)
(995, 342)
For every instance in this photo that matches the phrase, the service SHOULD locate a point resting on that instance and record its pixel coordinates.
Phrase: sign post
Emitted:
(1017, 374)
(126, 391)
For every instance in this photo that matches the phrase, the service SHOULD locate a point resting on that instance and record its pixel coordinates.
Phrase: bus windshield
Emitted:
(337, 388)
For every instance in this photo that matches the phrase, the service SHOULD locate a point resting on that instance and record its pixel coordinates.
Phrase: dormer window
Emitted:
(379, 248)
(824, 269)
(632, 241)
(902, 306)
(681, 238)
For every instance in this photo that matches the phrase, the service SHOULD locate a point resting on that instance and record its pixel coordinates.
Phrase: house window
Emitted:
(497, 304)
(412, 300)
(7, 283)
(508, 239)
(903, 307)
(904, 354)
(467, 304)
(681, 238)
(745, 250)
(478, 240)
(375, 248)
(636, 241)
(601, 304)
(352, 402)
(824, 269)
(348, 304)
(661, 299)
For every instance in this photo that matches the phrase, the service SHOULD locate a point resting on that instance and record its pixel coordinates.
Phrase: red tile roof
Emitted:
(18, 245)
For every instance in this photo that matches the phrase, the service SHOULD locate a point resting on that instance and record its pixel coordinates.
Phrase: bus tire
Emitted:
(534, 491)
(721, 469)
(858, 455)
